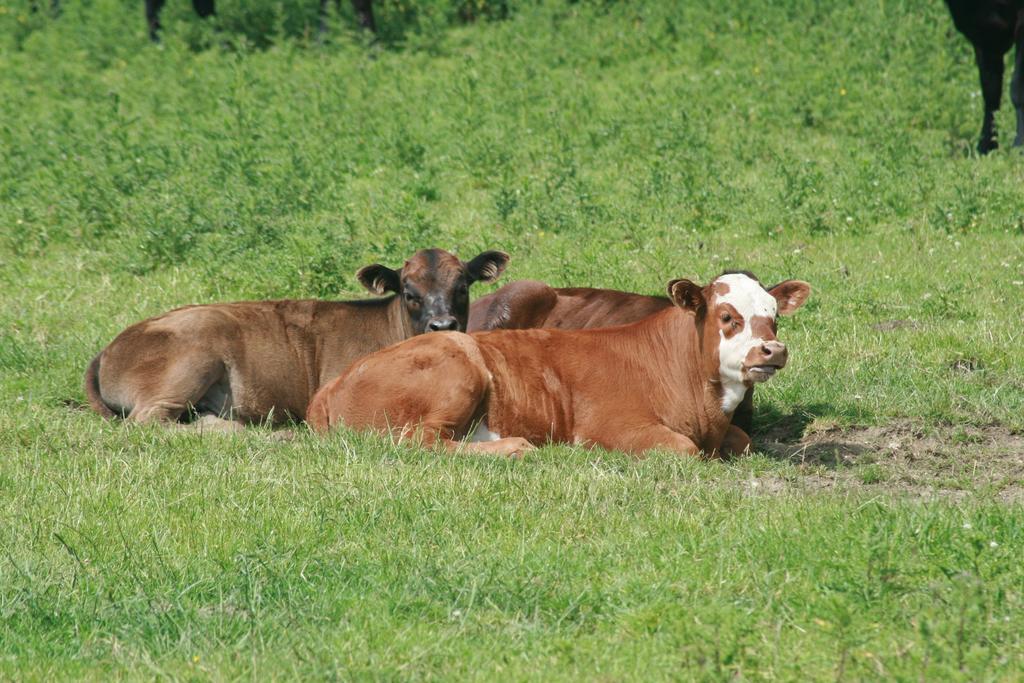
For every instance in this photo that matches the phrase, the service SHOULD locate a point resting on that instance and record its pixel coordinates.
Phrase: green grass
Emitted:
(606, 144)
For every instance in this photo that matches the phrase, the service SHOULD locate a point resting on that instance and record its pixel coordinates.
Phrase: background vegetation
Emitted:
(607, 144)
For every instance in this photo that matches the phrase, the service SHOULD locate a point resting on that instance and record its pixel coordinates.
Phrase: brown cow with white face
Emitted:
(256, 361)
(670, 381)
(525, 304)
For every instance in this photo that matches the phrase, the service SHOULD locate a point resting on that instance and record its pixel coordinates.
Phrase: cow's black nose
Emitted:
(441, 324)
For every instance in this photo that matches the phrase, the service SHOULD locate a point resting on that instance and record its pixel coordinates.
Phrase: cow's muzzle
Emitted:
(764, 360)
(443, 323)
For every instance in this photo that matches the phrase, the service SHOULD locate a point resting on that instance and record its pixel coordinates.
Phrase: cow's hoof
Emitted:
(986, 146)
(517, 447)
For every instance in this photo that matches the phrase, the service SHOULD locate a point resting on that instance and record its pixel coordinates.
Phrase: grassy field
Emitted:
(877, 535)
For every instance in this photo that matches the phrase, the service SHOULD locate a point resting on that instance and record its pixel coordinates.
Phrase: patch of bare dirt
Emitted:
(905, 457)
(890, 325)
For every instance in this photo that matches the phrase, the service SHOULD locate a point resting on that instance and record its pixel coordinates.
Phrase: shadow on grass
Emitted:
(781, 436)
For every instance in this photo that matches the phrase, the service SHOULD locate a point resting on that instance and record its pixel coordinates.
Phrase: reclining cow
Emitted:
(525, 304)
(669, 381)
(258, 361)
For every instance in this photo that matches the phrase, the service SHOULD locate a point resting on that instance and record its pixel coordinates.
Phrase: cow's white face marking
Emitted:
(749, 299)
(482, 433)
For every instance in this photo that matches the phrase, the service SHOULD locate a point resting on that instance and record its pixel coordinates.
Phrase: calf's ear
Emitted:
(688, 296)
(379, 279)
(791, 295)
(487, 266)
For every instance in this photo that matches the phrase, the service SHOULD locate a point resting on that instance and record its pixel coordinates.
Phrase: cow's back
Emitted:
(263, 358)
(584, 307)
(529, 304)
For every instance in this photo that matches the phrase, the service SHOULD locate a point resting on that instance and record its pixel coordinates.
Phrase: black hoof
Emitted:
(986, 146)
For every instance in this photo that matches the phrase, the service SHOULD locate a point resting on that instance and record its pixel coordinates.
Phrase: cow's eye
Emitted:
(412, 298)
(726, 318)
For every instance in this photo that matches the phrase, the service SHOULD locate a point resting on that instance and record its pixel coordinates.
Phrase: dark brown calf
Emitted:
(670, 381)
(259, 361)
(526, 304)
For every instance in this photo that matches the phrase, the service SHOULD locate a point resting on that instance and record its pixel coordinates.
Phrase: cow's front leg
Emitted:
(1017, 87)
(990, 70)
(736, 442)
(655, 437)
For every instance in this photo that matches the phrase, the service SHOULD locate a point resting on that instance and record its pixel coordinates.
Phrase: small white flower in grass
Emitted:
(1018, 282)
(993, 544)
(754, 484)
(849, 219)
(967, 525)
(20, 398)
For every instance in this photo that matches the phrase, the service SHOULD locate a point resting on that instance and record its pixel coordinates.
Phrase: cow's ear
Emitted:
(688, 296)
(379, 279)
(791, 295)
(487, 266)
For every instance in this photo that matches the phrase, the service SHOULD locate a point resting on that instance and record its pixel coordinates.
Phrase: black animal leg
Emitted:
(364, 12)
(153, 8)
(204, 8)
(990, 68)
(54, 7)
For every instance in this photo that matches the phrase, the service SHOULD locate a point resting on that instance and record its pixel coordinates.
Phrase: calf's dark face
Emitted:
(434, 286)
